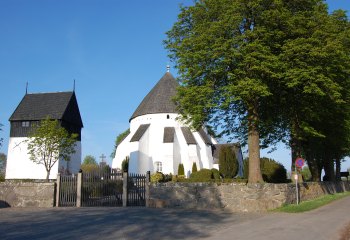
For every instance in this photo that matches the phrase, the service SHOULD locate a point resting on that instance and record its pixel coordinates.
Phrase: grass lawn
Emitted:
(311, 204)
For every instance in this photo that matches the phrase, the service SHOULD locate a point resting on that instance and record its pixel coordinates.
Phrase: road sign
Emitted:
(299, 162)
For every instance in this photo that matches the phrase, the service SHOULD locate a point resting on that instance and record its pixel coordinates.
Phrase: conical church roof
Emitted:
(159, 99)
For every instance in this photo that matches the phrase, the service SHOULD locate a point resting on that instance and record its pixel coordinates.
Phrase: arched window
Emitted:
(158, 166)
(167, 116)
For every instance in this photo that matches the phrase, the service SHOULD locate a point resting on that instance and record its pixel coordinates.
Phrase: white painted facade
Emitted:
(19, 165)
(146, 154)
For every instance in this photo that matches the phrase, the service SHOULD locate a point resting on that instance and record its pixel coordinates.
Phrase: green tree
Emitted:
(50, 142)
(194, 167)
(118, 140)
(261, 69)
(3, 159)
(89, 159)
(181, 170)
(227, 66)
(228, 164)
(125, 164)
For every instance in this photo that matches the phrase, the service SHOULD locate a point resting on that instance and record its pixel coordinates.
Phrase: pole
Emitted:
(296, 183)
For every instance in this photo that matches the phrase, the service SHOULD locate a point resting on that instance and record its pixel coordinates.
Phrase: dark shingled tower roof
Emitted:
(58, 105)
(159, 99)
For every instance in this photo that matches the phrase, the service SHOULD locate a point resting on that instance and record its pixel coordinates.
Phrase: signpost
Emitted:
(299, 163)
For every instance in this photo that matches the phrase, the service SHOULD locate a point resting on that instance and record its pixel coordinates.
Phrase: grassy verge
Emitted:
(312, 204)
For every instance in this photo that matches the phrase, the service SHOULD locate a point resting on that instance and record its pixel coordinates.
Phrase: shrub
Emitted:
(2, 178)
(125, 164)
(228, 164)
(216, 173)
(271, 170)
(194, 167)
(168, 177)
(157, 177)
(181, 170)
(203, 175)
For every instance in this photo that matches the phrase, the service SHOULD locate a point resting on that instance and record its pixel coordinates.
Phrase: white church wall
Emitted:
(19, 165)
(176, 154)
(123, 150)
(144, 157)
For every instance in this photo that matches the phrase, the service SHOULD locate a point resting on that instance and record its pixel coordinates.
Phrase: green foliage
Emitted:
(203, 175)
(125, 164)
(305, 172)
(50, 142)
(216, 173)
(89, 167)
(228, 164)
(273, 69)
(194, 167)
(181, 170)
(90, 160)
(272, 171)
(3, 159)
(157, 177)
(118, 140)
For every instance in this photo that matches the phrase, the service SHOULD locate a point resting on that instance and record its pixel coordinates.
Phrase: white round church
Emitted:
(159, 142)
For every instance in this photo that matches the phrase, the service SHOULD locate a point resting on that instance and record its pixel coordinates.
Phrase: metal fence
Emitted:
(105, 187)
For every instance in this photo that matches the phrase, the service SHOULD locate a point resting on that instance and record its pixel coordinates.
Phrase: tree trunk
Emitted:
(47, 175)
(254, 146)
(314, 166)
(337, 170)
(329, 169)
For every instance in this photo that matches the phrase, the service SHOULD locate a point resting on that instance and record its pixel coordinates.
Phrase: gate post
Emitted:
(79, 180)
(147, 192)
(125, 189)
(58, 183)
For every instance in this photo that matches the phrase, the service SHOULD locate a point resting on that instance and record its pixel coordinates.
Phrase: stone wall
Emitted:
(237, 197)
(26, 194)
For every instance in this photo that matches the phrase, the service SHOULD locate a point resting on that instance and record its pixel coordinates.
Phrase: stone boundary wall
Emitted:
(237, 197)
(26, 194)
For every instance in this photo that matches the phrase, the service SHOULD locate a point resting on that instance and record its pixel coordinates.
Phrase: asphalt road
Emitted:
(147, 223)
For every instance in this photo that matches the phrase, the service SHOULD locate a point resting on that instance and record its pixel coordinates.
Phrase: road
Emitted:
(147, 223)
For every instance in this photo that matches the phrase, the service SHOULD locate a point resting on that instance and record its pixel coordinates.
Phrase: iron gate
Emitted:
(67, 191)
(105, 187)
(136, 190)
(102, 188)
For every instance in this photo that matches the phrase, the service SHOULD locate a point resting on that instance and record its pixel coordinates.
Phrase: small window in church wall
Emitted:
(167, 116)
(25, 124)
(158, 166)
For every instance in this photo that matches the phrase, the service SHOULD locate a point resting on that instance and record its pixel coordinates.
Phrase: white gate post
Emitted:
(58, 182)
(79, 180)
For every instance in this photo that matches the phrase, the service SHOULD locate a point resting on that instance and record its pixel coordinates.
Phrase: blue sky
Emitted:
(112, 48)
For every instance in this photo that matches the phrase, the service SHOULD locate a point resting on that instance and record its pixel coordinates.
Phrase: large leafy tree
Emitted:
(260, 69)
(50, 142)
(227, 66)
(314, 84)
